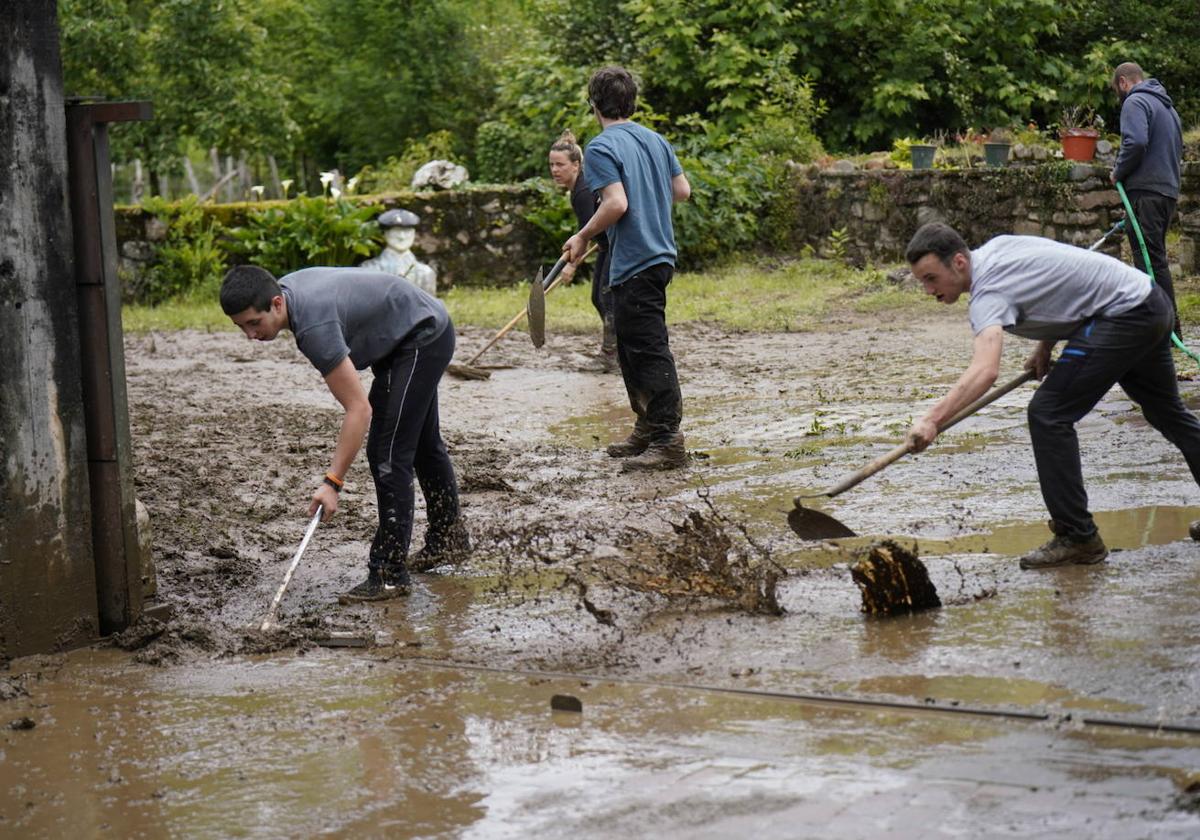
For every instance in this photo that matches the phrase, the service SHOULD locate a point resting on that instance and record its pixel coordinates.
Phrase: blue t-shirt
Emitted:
(644, 162)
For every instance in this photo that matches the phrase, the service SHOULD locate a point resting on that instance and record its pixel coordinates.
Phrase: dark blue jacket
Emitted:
(1151, 141)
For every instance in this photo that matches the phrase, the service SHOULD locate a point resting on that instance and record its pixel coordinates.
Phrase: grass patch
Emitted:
(791, 296)
(783, 297)
(177, 315)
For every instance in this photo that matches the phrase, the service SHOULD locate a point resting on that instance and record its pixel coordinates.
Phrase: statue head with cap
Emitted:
(399, 228)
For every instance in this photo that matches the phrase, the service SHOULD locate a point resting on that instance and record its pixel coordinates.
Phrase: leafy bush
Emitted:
(308, 231)
(397, 173)
(501, 153)
(190, 262)
(550, 212)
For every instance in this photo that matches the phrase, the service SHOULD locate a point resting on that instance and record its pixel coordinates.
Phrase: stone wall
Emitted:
(473, 237)
(874, 213)
(481, 237)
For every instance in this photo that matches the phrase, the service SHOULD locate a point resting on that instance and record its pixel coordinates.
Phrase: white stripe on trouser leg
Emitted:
(386, 467)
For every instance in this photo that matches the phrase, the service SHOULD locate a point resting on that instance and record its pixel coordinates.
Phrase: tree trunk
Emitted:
(164, 185)
(190, 171)
(276, 184)
(215, 158)
(229, 186)
(243, 177)
(138, 188)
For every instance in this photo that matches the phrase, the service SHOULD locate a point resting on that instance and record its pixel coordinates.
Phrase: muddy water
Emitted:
(195, 731)
(349, 744)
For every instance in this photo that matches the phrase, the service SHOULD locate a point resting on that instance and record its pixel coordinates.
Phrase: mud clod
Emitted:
(893, 580)
(139, 634)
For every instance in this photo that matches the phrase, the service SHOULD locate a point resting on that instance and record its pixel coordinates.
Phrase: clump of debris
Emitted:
(893, 580)
(708, 559)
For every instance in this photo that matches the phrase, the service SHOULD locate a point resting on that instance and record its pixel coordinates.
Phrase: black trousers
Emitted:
(1132, 350)
(644, 352)
(602, 297)
(405, 437)
(1153, 212)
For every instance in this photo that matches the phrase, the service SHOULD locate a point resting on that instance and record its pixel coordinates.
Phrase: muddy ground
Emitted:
(582, 583)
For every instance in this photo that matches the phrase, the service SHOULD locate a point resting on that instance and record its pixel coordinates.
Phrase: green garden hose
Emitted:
(1137, 230)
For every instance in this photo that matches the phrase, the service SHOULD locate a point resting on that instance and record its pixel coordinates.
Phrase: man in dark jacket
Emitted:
(1148, 165)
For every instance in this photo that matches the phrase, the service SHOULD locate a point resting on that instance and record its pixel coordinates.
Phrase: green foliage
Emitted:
(836, 248)
(308, 231)
(551, 213)
(190, 262)
(396, 174)
(381, 74)
(502, 153)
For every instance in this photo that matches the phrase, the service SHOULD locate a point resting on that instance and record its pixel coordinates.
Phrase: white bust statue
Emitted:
(397, 258)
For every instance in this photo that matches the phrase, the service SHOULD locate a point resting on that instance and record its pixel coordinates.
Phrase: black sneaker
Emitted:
(452, 548)
(1064, 551)
(378, 586)
(1194, 530)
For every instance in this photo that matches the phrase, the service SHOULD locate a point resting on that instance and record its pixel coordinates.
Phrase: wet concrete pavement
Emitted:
(197, 733)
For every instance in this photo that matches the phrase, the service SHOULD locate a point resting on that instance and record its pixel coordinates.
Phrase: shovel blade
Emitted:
(537, 311)
(809, 524)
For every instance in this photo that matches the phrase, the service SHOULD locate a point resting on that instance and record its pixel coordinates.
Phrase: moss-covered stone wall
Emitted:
(871, 214)
(473, 237)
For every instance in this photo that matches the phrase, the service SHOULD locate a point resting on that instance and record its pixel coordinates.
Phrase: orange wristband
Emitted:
(334, 482)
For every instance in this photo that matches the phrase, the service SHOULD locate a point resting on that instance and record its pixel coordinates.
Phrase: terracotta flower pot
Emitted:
(1079, 143)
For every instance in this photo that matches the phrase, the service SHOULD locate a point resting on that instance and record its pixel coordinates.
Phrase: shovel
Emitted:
(814, 525)
(551, 282)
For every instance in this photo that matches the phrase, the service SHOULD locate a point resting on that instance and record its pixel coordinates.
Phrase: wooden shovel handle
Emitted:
(555, 276)
(904, 448)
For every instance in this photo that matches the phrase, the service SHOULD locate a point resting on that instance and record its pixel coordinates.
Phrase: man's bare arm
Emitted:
(975, 380)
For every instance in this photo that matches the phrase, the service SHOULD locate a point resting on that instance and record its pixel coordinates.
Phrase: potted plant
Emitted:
(996, 146)
(924, 152)
(1079, 129)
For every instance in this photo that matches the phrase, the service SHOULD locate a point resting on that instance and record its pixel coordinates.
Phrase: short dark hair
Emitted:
(1127, 70)
(938, 239)
(613, 92)
(248, 286)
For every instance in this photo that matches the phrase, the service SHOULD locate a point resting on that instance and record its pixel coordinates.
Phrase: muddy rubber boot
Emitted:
(635, 444)
(667, 454)
(1194, 530)
(379, 586)
(1064, 551)
(452, 548)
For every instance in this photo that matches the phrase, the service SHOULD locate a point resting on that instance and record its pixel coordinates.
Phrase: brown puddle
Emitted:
(343, 743)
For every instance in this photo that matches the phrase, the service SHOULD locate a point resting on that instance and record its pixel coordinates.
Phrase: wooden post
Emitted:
(47, 578)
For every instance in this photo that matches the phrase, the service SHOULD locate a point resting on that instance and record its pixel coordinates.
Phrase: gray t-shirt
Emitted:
(1045, 290)
(335, 312)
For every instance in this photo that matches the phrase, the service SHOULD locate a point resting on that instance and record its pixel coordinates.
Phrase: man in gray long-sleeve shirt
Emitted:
(1148, 166)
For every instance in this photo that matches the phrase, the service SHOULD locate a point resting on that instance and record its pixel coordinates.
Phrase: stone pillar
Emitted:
(47, 580)
(1189, 242)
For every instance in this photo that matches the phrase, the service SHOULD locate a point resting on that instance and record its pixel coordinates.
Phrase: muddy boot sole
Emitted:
(385, 593)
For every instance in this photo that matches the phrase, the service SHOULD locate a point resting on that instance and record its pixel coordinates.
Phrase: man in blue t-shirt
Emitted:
(638, 177)
(1117, 328)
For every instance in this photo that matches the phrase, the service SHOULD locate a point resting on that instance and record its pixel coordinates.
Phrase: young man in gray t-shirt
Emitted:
(1117, 326)
(345, 320)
